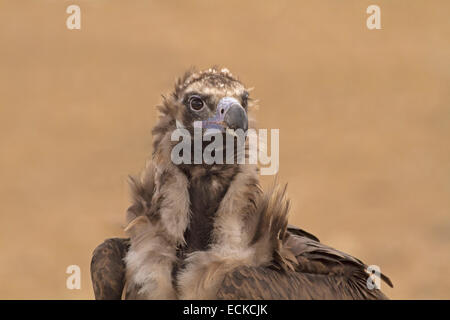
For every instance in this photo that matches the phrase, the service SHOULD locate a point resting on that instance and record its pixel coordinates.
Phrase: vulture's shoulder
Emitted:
(322, 273)
(108, 269)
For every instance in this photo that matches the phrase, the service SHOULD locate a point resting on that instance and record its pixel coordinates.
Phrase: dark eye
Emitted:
(196, 103)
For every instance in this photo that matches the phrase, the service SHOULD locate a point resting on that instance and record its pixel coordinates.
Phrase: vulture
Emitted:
(199, 230)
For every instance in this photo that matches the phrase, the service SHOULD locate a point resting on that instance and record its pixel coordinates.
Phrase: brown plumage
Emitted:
(322, 273)
(208, 231)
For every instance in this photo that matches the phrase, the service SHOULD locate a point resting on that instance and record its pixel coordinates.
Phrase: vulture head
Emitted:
(212, 102)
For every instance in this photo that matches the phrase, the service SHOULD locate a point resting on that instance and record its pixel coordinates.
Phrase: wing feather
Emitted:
(322, 273)
(108, 269)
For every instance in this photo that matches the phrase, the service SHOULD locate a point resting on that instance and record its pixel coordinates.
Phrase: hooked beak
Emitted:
(229, 115)
(234, 115)
(236, 118)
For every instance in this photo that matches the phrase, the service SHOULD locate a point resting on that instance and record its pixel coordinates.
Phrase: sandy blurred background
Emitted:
(364, 119)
